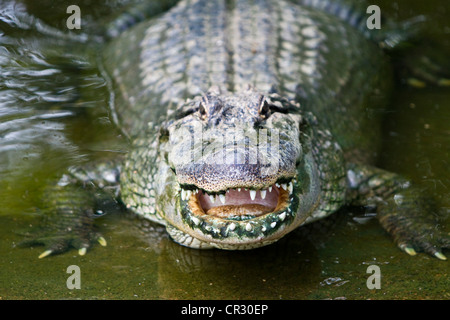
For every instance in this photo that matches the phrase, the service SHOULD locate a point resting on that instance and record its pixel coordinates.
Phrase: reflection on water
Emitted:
(53, 114)
(47, 83)
(283, 271)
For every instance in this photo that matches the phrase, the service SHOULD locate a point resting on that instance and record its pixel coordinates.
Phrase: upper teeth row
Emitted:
(186, 194)
(288, 187)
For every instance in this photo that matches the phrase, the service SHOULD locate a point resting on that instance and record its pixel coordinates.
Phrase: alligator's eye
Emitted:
(202, 110)
(264, 109)
(184, 112)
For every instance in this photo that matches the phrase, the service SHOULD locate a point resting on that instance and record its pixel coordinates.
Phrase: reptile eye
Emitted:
(264, 109)
(202, 110)
(183, 112)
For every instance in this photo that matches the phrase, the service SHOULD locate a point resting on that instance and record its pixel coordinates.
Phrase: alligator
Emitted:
(246, 120)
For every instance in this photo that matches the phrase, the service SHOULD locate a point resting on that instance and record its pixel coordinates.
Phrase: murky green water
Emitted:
(53, 114)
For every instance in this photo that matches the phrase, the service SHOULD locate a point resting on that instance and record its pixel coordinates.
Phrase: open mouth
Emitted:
(238, 203)
(239, 212)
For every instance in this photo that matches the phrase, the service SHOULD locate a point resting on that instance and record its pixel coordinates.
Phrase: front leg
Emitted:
(71, 206)
(401, 209)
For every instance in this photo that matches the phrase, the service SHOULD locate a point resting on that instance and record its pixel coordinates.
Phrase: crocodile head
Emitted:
(243, 168)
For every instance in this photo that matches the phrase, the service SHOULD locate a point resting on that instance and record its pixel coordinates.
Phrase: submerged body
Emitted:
(248, 119)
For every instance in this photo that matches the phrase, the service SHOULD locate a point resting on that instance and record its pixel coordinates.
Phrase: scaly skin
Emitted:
(199, 90)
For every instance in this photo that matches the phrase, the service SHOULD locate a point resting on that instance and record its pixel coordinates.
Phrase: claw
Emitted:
(408, 250)
(45, 253)
(102, 241)
(416, 83)
(444, 82)
(440, 256)
(82, 251)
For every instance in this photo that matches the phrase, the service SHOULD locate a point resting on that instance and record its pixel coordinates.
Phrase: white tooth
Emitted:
(284, 186)
(195, 220)
(263, 194)
(278, 185)
(273, 224)
(183, 195)
(270, 189)
(239, 189)
(248, 227)
(263, 229)
(212, 198)
(290, 187)
(232, 227)
(253, 194)
(282, 216)
(188, 194)
(222, 198)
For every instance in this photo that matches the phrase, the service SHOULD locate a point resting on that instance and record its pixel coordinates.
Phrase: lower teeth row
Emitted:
(249, 226)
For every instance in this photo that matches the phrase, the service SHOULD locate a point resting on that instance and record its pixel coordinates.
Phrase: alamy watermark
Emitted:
(372, 22)
(73, 281)
(74, 21)
(373, 281)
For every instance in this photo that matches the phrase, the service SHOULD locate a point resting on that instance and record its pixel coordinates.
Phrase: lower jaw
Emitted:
(243, 212)
(238, 230)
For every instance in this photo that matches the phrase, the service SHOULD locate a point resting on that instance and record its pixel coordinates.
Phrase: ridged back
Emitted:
(278, 46)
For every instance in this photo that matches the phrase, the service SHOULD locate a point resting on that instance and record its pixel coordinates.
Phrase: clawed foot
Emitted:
(56, 244)
(81, 251)
(425, 66)
(427, 71)
(413, 237)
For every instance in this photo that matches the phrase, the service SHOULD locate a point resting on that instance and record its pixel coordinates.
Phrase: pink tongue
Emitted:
(239, 198)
